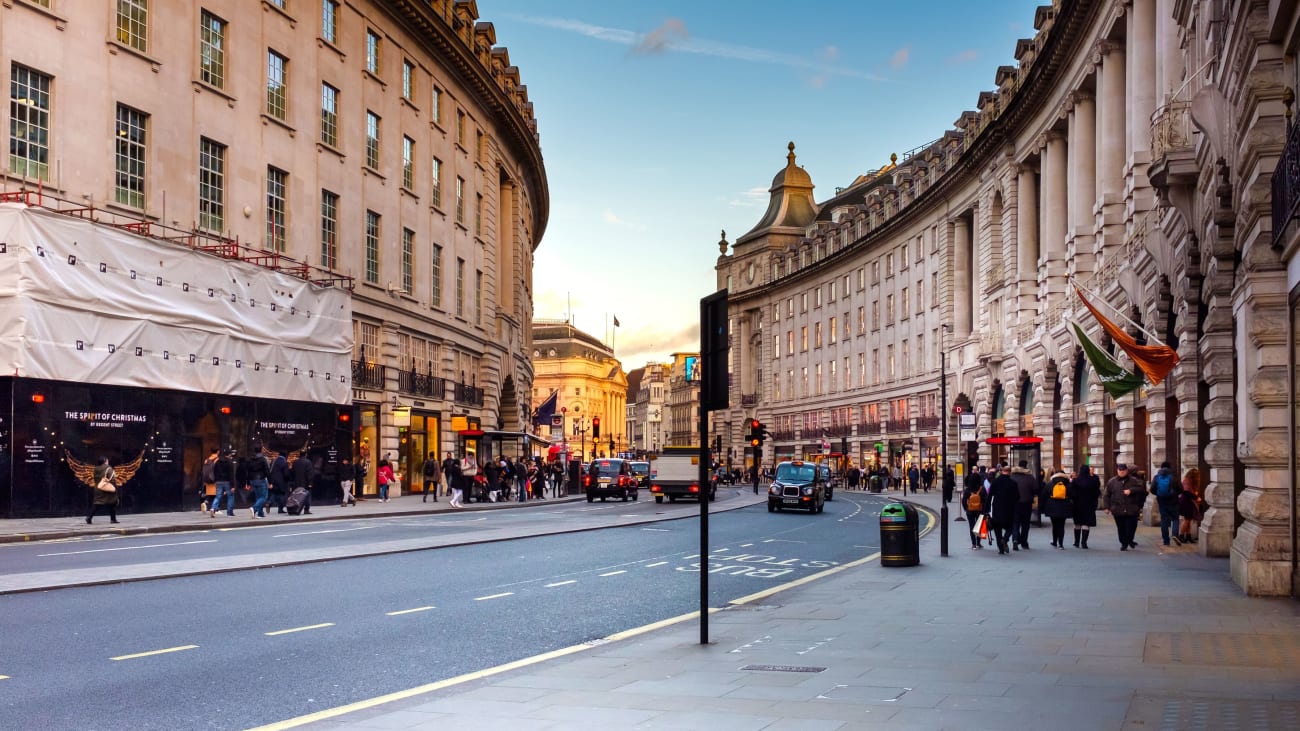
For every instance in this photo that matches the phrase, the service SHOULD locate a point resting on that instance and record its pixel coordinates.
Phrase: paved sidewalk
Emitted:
(1073, 639)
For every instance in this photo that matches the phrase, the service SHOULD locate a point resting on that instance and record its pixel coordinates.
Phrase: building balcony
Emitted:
(841, 430)
(749, 399)
(370, 376)
(468, 395)
(928, 423)
(422, 384)
(1171, 130)
(1286, 185)
(1173, 170)
(899, 425)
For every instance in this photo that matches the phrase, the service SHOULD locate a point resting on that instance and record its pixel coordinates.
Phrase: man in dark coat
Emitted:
(1004, 497)
(1027, 487)
(279, 478)
(1123, 499)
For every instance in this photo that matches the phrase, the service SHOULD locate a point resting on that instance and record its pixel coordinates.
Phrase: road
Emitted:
(234, 650)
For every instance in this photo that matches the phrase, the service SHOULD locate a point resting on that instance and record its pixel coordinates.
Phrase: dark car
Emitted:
(799, 485)
(641, 471)
(610, 478)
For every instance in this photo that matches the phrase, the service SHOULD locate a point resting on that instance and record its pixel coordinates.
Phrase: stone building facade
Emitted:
(389, 141)
(647, 397)
(1130, 151)
(591, 385)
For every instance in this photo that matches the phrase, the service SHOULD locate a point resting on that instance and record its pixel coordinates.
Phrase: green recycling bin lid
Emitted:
(893, 513)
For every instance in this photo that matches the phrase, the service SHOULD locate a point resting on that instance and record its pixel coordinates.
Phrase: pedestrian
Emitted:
(949, 484)
(1029, 488)
(897, 478)
(432, 475)
(1166, 490)
(519, 471)
(209, 480)
(350, 475)
(927, 477)
(1055, 503)
(1190, 506)
(447, 463)
(257, 470)
(976, 505)
(223, 474)
(278, 480)
(914, 478)
(303, 474)
(383, 476)
(1123, 499)
(465, 472)
(1004, 501)
(1085, 490)
(104, 476)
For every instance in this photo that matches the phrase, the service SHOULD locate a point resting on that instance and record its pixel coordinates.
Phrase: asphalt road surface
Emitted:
(235, 650)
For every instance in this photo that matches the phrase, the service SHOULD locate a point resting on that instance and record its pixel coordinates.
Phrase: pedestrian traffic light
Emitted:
(595, 427)
(611, 445)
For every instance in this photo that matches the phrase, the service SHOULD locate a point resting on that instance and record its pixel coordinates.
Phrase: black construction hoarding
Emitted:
(52, 433)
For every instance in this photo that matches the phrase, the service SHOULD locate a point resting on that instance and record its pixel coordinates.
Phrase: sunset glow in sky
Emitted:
(662, 123)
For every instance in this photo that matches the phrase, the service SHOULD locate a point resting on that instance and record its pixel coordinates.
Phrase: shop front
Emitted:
(417, 437)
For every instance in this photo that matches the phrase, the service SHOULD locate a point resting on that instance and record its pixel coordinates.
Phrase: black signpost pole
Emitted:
(714, 343)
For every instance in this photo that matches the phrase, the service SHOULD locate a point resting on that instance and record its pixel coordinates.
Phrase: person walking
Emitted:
(278, 479)
(465, 472)
(949, 484)
(383, 476)
(1028, 486)
(1123, 499)
(897, 477)
(519, 472)
(1190, 506)
(103, 498)
(209, 480)
(432, 476)
(1166, 488)
(1055, 503)
(976, 505)
(914, 478)
(349, 475)
(1004, 500)
(223, 474)
(303, 473)
(448, 462)
(257, 470)
(1085, 490)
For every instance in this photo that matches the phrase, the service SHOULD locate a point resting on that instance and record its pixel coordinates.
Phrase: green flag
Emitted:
(1116, 379)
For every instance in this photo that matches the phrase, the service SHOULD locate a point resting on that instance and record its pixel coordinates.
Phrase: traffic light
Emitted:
(595, 427)
(757, 433)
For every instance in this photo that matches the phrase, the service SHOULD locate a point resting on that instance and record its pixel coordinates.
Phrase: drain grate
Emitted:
(785, 668)
(1223, 648)
(1210, 714)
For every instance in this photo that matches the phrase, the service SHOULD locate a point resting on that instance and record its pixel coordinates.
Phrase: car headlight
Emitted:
(808, 491)
(774, 490)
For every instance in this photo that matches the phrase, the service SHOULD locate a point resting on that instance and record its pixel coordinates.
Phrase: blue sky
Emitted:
(662, 123)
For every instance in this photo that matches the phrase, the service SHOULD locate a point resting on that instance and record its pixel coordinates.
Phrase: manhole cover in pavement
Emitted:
(1211, 714)
(1222, 648)
(784, 668)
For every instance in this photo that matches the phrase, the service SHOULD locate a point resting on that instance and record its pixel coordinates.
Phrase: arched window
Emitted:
(1081, 380)
(1027, 397)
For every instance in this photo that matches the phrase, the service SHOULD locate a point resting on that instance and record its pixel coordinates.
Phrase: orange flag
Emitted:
(1156, 361)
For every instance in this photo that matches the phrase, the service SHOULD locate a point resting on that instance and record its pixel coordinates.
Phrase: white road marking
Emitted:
(746, 545)
(126, 548)
(658, 530)
(315, 532)
(613, 573)
(409, 611)
(299, 629)
(493, 596)
(562, 583)
(153, 652)
(657, 563)
(4, 677)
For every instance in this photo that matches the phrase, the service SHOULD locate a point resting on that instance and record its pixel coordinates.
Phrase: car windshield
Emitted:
(788, 472)
(609, 466)
(640, 468)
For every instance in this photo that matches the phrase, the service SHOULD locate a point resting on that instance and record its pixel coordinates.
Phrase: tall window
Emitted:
(329, 20)
(212, 185)
(435, 276)
(907, 358)
(329, 115)
(907, 305)
(129, 158)
(29, 123)
(478, 214)
(478, 296)
(133, 24)
(212, 50)
(372, 247)
(460, 128)
(277, 186)
(408, 260)
(372, 140)
(460, 287)
(934, 289)
(460, 200)
(437, 183)
(276, 96)
(408, 78)
(408, 162)
(435, 101)
(889, 350)
(329, 229)
(372, 52)
(834, 333)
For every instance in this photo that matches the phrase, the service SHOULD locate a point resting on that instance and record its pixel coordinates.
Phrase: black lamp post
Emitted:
(943, 441)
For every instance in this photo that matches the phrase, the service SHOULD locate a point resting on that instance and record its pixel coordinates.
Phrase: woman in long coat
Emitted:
(106, 499)
(1085, 491)
(1058, 509)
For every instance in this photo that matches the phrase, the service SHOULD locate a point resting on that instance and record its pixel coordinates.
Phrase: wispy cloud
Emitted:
(612, 218)
(672, 36)
(900, 57)
(966, 56)
(752, 198)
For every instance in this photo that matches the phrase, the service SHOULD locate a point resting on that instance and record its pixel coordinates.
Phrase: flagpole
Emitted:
(1098, 298)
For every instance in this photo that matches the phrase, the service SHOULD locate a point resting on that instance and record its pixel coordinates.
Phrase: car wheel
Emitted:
(771, 508)
(602, 498)
(634, 496)
(659, 498)
(625, 497)
(591, 498)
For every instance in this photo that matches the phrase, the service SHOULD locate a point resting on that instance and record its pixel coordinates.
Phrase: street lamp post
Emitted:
(943, 440)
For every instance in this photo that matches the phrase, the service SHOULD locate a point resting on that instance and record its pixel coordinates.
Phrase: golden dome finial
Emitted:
(790, 157)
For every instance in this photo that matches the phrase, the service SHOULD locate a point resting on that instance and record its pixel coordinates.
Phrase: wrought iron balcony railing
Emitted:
(1171, 129)
(369, 376)
(1286, 184)
(468, 395)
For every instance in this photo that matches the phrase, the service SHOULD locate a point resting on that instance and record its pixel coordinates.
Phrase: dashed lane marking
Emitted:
(562, 583)
(657, 530)
(316, 532)
(154, 652)
(299, 629)
(656, 563)
(4, 677)
(613, 573)
(126, 548)
(409, 611)
(493, 596)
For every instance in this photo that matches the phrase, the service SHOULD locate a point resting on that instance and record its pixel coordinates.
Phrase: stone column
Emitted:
(1055, 209)
(1216, 352)
(961, 278)
(1141, 63)
(744, 362)
(1027, 243)
(1111, 145)
(1083, 194)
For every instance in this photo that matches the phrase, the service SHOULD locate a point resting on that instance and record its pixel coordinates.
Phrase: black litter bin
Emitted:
(900, 535)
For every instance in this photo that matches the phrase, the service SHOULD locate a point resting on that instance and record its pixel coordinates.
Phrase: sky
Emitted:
(663, 122)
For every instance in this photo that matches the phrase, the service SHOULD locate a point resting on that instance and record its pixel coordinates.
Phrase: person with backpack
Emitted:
(1166, 490)
(257, 471)
(1085, 490)
(1055, 503)
(432, 476)
(223, 474)
(975, 502)
(383, 476)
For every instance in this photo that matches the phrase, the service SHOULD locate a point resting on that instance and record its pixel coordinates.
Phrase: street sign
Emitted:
(966, 432)
(557, 420)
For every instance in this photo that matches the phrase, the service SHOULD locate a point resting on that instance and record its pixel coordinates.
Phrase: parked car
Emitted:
(641, 471)
(613, 478)
(798, 485)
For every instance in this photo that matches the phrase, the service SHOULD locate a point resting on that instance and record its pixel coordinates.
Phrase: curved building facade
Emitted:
(1128, 154)
(386, 145)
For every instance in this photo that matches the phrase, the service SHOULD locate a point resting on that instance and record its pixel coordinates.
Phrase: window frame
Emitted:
(212, 56)
(212, 178)
(277, 210)
(136, 165)
(329, 114)
(277, 94)
(373, 233)
(29, 124)
(329, 229)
